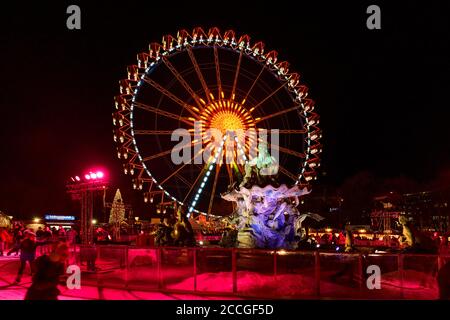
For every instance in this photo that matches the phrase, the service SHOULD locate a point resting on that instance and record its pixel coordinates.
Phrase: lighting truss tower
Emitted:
(84, 191)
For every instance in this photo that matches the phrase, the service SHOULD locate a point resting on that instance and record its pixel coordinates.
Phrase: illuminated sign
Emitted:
(55, 217)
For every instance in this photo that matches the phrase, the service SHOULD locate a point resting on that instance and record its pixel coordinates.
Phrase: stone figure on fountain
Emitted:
(171, 232)
(266, 211)
(407, 238)
(163, 232)
(261, 170)
(349, 247)
(412, 240)
(182, 233)
(229, 236)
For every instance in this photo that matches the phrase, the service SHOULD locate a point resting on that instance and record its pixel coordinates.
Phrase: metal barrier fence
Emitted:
(258, 273)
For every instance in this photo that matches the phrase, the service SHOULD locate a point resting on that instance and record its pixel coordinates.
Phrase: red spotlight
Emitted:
(88, 177)
(77, 178)
(93, 176)
(100, 175)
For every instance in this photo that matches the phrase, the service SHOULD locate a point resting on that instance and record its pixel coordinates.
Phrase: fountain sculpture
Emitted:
(266, 215)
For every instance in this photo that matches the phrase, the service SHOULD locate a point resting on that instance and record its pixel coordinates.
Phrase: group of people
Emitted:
(51, 234)
(10, 238)
(45, 269)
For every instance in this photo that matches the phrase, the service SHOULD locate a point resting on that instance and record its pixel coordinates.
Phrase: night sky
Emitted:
(383, 95)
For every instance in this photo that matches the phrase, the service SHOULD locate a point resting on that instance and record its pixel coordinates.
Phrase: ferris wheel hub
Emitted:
(227, 115)
(227, 121)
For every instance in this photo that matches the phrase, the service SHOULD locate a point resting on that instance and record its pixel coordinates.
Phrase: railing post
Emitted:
(233, 267)
(78, 256)
(275, 267)
(317, 272)
(400, 270)
(195, 269)
(97, 255)
(360, 272)
(126, 267)
(74, 254)
(158, 269)
(440, 262)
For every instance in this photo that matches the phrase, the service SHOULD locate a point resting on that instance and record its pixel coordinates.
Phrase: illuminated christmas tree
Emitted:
(117, 213)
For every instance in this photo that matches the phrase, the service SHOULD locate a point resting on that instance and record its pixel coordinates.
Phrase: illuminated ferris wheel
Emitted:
(221, 81)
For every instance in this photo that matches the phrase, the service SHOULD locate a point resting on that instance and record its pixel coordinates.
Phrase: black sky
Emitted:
(383, 95)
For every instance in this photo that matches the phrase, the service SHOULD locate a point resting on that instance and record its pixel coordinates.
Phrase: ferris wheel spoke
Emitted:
(179, 169)
(170, 95)
(199, 73)
(288, 151)
(238, 67)
(217, 64)
(175, 173)
(287, 173)
(158, 155)
(268, 97)
(161, 112)
(276, 114)
(253, 84)
(164, 153)
(294, 131)
(154, 132)
(290, 131)
(184, 180)
(196, 180)
(213, 192)
(230, 174)
(215, 160)
(182, 81)
(199, 167)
